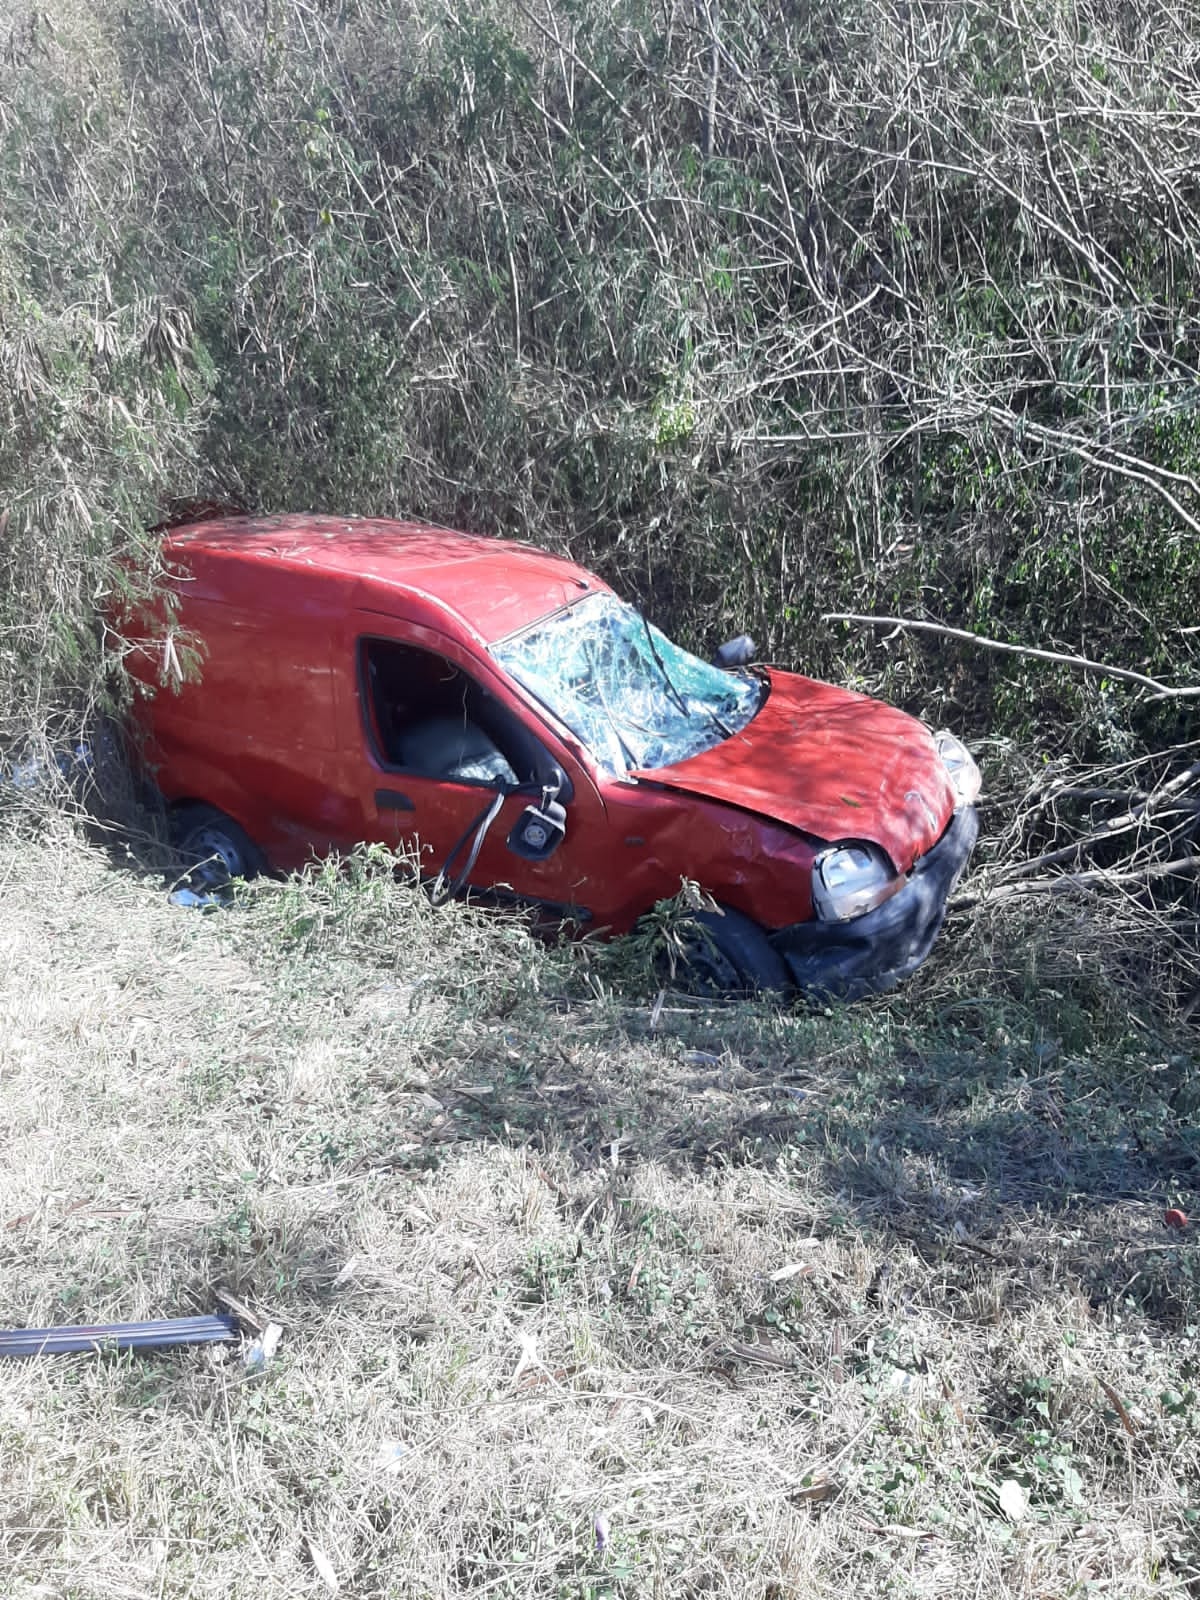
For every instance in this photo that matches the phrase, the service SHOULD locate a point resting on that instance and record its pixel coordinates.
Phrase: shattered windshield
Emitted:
(633, 698)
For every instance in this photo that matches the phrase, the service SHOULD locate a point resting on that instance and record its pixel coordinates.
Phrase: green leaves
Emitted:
(790, 332)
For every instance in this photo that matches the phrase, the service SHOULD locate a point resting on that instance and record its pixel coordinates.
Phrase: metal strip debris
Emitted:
(158, 1335)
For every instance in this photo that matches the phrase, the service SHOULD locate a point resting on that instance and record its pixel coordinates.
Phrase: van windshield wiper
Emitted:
(662, 667)
(712, 716)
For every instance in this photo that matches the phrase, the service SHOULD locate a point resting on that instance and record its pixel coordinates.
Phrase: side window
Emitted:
(426, 716)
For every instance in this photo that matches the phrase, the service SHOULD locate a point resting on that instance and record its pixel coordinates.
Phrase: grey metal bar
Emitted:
(158, 1335)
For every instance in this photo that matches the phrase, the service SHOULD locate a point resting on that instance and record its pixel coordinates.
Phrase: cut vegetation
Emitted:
(584, 1295)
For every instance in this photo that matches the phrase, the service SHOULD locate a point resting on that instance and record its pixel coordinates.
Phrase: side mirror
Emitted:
(540, 829)
(737, 652)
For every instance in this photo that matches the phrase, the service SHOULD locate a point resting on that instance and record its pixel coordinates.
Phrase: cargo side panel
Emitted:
(256, 734)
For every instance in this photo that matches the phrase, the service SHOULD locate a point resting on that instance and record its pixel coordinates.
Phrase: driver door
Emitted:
(433, 740)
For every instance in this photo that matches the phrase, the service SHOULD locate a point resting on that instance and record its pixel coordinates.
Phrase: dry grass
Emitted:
(528, 1250)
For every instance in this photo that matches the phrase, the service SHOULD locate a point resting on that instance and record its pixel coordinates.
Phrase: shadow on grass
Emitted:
(1041, 1133)
(1052, 1165)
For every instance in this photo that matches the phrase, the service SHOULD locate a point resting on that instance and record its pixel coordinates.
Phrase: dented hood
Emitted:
(831, 763)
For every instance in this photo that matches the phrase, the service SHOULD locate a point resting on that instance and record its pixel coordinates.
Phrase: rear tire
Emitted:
(214, 847)
(731, 955)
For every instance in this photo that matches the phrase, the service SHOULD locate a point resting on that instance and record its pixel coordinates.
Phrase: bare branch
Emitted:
(1081, 663)
(1100, 877)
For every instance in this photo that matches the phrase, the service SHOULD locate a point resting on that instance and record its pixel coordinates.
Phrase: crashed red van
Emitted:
(504, 713)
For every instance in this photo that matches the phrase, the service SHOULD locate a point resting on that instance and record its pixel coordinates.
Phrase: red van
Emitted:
(503, 712)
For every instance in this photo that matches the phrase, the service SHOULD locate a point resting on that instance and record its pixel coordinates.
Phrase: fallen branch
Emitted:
(1158, 804)
(1181, 866)
(1164, 792)
(1083, 663)
(1069, 852)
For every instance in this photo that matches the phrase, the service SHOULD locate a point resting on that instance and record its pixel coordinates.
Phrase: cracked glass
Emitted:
(634, 699)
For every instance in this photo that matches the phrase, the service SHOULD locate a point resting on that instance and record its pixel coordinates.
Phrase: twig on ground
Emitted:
(1159, 803)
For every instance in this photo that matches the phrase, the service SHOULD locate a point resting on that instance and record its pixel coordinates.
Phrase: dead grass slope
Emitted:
(779, 1302)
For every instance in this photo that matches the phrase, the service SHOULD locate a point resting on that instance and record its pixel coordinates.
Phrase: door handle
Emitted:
(393, 800)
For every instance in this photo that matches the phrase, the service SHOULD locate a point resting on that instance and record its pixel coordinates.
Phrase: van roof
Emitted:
(495, 586)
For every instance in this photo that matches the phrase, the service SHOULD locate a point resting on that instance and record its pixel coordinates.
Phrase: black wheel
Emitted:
(730, 954)
(214, 847)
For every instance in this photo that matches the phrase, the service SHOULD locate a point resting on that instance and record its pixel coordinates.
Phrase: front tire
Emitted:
(730, 954)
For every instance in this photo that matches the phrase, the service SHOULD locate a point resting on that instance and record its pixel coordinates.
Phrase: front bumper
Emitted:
(872, 953)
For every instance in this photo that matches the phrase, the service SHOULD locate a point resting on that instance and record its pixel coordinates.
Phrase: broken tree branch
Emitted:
(1163, 690)
(1181, 866)
(1155, 806)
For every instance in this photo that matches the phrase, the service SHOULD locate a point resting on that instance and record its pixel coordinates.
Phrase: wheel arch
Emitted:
(195, 783)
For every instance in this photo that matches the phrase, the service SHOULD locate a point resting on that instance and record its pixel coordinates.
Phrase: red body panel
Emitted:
(277, 732)
(832, 763)
(490, 586)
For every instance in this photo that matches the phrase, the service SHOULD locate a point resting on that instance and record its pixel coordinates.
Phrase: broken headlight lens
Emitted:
(851, 879)
(960, 768)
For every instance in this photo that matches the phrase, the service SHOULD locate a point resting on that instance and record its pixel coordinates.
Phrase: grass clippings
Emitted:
(582, 1296)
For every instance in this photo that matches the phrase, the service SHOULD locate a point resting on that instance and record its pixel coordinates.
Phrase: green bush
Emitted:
(765, 314)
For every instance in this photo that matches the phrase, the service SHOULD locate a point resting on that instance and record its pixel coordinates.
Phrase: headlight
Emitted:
(851, 879)
(960, 768)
